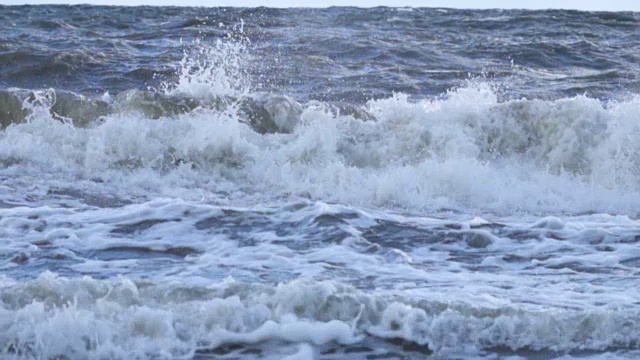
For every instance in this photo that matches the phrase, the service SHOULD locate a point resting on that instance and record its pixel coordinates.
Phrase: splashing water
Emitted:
(211, 70)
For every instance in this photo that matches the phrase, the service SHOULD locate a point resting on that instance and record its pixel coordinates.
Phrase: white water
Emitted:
(181, 276)
(467, 152)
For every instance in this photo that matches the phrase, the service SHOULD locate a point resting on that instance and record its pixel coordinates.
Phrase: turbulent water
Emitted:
(199, 183)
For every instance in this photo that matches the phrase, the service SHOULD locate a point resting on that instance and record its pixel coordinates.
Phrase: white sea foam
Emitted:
(171, 277)
(79, 318)
(467, 151)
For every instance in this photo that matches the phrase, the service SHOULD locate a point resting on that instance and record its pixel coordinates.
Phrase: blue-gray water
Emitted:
(318, 183)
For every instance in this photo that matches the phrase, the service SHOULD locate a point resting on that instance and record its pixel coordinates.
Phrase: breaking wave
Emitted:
(467, 150)
(208, 130)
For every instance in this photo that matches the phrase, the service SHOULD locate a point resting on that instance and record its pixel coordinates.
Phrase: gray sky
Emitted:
(612, 5)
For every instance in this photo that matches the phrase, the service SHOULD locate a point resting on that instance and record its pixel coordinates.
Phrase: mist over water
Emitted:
(318, 183)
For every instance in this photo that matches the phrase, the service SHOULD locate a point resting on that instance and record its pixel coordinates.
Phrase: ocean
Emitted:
(258, 183)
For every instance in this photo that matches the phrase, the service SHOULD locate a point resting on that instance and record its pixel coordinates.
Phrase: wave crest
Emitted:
(467, 149)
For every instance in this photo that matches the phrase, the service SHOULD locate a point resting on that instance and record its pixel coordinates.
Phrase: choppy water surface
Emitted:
(318, 183)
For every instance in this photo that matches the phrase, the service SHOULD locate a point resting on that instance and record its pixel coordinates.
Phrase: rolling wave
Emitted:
(467, 149)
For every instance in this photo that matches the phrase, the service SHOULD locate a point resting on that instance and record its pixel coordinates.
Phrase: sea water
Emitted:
(200, 183)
